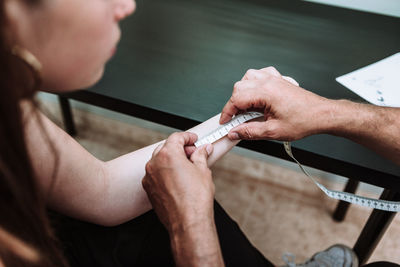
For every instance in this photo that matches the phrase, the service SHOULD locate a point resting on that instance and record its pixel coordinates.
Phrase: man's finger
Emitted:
(242, 87)
(253, 74)
(181, 139)
(242, 101)
(291, 80)
(248, 131)
(200, 156)
(158, 148)
(189, 150)
(272, 71)
(228, 112)
(250, 100)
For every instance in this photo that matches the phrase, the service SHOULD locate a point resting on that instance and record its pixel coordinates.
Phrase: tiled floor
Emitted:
(280, 210)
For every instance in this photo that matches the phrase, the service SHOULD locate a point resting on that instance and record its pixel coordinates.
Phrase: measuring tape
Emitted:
(224, 129)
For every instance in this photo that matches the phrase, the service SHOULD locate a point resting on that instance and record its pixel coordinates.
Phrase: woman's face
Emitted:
(73, 39)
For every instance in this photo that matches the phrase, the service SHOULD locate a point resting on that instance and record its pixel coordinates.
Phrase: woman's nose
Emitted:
(124, 8)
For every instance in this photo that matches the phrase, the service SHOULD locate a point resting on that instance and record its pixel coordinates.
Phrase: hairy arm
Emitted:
(292, 113)
(375, 127)
(197, 245)
(84, 187)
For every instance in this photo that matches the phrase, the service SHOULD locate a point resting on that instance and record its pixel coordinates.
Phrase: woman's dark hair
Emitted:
(22, 209)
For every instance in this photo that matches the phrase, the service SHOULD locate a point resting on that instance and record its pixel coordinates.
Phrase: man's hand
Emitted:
(181, 191)
(291, 112)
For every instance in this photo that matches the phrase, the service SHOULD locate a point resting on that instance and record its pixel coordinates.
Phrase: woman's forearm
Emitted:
(125, 197)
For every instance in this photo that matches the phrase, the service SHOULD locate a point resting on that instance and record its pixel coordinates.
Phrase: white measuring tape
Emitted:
(224, 129)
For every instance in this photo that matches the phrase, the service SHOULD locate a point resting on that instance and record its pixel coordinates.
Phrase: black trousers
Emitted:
(144, 241)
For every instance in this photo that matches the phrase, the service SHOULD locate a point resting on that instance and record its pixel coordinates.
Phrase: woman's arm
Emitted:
(106, 193)
(126, 197)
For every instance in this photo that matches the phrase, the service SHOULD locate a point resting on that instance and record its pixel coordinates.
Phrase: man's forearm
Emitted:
(375, 127)
(196, 245)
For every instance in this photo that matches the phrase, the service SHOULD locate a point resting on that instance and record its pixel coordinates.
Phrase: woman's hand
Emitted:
(180, 190)
(291, 112)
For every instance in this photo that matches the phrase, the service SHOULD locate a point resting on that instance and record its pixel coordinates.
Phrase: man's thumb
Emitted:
(291, 80)
(248, 131)
(200, 156)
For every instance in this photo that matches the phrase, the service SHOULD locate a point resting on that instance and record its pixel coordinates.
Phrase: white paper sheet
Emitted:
(378, 83)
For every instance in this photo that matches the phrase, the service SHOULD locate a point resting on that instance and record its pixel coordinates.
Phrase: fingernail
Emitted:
(223, 119)
(209, 149)
(234, 136)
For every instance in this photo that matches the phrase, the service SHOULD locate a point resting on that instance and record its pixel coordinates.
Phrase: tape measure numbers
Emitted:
(224, 129)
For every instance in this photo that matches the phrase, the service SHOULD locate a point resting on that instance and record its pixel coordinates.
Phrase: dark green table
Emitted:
(178, 60)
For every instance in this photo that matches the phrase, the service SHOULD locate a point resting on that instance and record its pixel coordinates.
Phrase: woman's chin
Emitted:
(95, 78)
(87, 82)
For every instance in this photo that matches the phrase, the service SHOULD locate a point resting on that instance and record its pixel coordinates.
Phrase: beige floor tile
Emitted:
(234, 192)
(282, 221)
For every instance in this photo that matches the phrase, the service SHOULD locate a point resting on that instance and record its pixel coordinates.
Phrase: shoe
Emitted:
(335, 256)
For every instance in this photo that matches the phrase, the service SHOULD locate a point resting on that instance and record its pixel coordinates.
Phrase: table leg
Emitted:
(374, 229)
(342, 207)
(67, 115)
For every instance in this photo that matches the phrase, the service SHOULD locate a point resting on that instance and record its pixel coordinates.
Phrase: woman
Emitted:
(59, 46)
